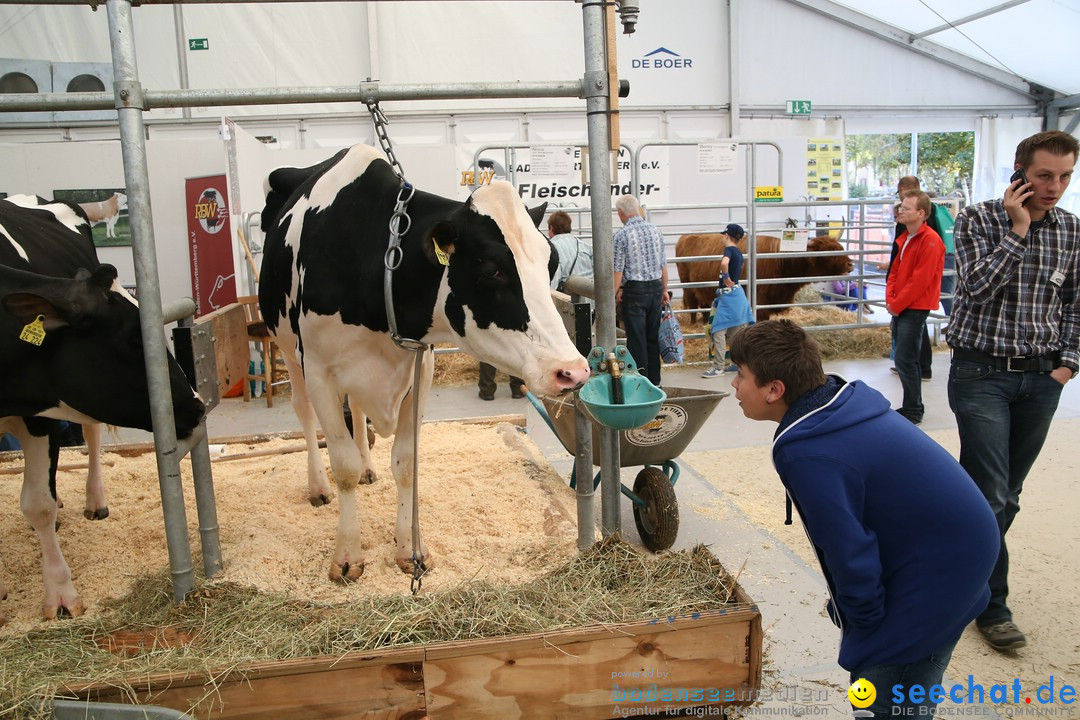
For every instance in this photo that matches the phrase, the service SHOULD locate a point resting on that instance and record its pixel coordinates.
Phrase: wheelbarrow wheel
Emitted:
(658, 521)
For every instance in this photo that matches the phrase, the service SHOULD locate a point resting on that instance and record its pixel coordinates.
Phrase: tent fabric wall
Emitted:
(677, 58)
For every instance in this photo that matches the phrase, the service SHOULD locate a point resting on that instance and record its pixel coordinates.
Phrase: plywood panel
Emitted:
(581, 673)
(584, 678)
(387, 688)
(231, 353)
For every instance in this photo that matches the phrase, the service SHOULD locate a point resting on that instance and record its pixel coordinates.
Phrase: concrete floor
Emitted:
(800, 648)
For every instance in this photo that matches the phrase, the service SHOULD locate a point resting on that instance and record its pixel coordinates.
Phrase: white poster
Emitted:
(794, 240)
(717, 157)
(552, 162)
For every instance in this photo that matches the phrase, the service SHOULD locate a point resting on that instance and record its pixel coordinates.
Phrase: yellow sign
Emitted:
(769, 193)
(824, 169)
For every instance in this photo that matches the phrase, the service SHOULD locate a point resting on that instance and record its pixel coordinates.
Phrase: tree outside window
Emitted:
(944, 163)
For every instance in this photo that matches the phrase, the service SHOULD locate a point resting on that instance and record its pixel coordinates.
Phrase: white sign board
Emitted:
(794, 240)
(552, 162)
(717, 157)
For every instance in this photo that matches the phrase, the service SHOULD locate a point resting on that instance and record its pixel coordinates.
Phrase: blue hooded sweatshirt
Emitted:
(904, 537)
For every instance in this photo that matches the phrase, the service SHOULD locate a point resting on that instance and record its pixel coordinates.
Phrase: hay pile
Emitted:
(223, 626)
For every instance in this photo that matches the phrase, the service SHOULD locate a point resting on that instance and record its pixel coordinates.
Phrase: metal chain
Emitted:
(378, 119)
(400, 222)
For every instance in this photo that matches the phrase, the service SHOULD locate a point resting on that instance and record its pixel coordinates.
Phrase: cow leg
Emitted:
(350, 467)
(402, 460)
(39, 508)
(96, 508)
(319, 490)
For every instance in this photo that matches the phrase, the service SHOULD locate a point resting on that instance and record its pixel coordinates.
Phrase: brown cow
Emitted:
(767, 268)
(696, 245)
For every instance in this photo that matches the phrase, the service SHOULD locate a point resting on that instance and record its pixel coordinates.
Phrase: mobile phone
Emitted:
(1022, 177)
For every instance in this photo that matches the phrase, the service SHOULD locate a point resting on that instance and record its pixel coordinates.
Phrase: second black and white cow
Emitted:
(70, 349)
(57, 243)
(321, 295)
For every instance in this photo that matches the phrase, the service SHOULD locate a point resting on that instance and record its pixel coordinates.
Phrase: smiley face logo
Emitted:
(862, 693)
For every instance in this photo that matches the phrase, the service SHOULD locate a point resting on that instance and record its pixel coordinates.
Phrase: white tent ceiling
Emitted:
(1032, 39)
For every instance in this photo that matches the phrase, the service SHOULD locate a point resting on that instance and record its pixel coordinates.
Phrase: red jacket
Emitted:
(915, 279)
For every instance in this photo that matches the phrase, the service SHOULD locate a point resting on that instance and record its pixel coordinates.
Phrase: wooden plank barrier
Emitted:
(581, 673)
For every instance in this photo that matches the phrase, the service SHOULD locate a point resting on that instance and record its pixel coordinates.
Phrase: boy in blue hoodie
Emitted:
(904, 537)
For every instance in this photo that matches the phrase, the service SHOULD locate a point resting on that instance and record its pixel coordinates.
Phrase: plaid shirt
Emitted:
(639, 250)
(1016, 296)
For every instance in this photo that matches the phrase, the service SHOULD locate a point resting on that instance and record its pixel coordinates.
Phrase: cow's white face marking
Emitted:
(544, 343)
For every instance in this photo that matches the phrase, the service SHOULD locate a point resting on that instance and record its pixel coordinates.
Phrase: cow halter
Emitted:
(399, 225)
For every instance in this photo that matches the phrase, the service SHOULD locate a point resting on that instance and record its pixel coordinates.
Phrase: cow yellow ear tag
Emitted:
(441, 256)
(34, 332)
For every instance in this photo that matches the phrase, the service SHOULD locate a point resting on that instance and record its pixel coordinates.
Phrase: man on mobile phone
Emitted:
(1014, 333)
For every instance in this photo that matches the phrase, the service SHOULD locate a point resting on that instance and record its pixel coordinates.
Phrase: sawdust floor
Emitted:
(490, 508)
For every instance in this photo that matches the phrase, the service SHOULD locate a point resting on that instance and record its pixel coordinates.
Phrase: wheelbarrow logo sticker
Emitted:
(668, 423)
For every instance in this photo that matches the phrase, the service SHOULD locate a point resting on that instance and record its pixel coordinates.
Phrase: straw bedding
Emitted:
(495, 515)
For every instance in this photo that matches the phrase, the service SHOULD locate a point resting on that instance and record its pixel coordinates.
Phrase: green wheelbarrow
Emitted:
(654, 445)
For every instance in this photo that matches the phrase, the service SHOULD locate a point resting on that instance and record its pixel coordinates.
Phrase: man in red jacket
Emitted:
(911, 292)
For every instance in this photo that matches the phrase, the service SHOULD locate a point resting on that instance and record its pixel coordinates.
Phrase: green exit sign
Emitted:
(198, 43)
(798, 107)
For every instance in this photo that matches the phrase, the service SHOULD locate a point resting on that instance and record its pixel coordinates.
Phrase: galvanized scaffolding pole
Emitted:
(131, 100)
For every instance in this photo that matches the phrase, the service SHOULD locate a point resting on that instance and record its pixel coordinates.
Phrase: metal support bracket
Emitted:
(369, 91)
(129, 94)
(594, 84)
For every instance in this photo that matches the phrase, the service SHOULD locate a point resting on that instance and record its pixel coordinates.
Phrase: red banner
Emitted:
(213, 275)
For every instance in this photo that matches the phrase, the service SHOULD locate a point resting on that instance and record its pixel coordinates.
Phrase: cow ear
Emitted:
(103, 277)
(537, 213)
(442, 239)
(26, 307)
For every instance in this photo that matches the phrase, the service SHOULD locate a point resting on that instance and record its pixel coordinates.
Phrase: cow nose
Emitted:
(571, 379)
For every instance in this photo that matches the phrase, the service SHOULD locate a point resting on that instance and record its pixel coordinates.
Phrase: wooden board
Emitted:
(560, 674)
(229, 328)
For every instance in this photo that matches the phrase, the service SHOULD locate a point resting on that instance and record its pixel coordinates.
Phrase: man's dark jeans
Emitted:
(908, 328)
(1002, 419)
(925, 673)
(641, 316)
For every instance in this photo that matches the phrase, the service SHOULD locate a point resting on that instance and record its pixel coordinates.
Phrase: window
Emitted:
(944, 162)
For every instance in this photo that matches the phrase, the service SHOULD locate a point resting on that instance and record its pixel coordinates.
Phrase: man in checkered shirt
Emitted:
(641, 279)
(1014, 335)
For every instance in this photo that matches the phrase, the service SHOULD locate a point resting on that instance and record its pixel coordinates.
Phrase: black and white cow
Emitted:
(58, 249)
(70, 349)
(321, 295)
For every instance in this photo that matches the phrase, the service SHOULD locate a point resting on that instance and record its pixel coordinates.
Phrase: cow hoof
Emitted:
(320, 500)
(368, 477)
(346, 573)
(406, 564)
(73, 609)
(370, 437)
(99, 514)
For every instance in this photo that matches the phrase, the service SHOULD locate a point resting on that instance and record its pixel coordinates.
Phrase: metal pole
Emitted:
(203, 477)
(181, 52)
(211, 97)
(137, 182)
(583, 458)
(594, 87)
